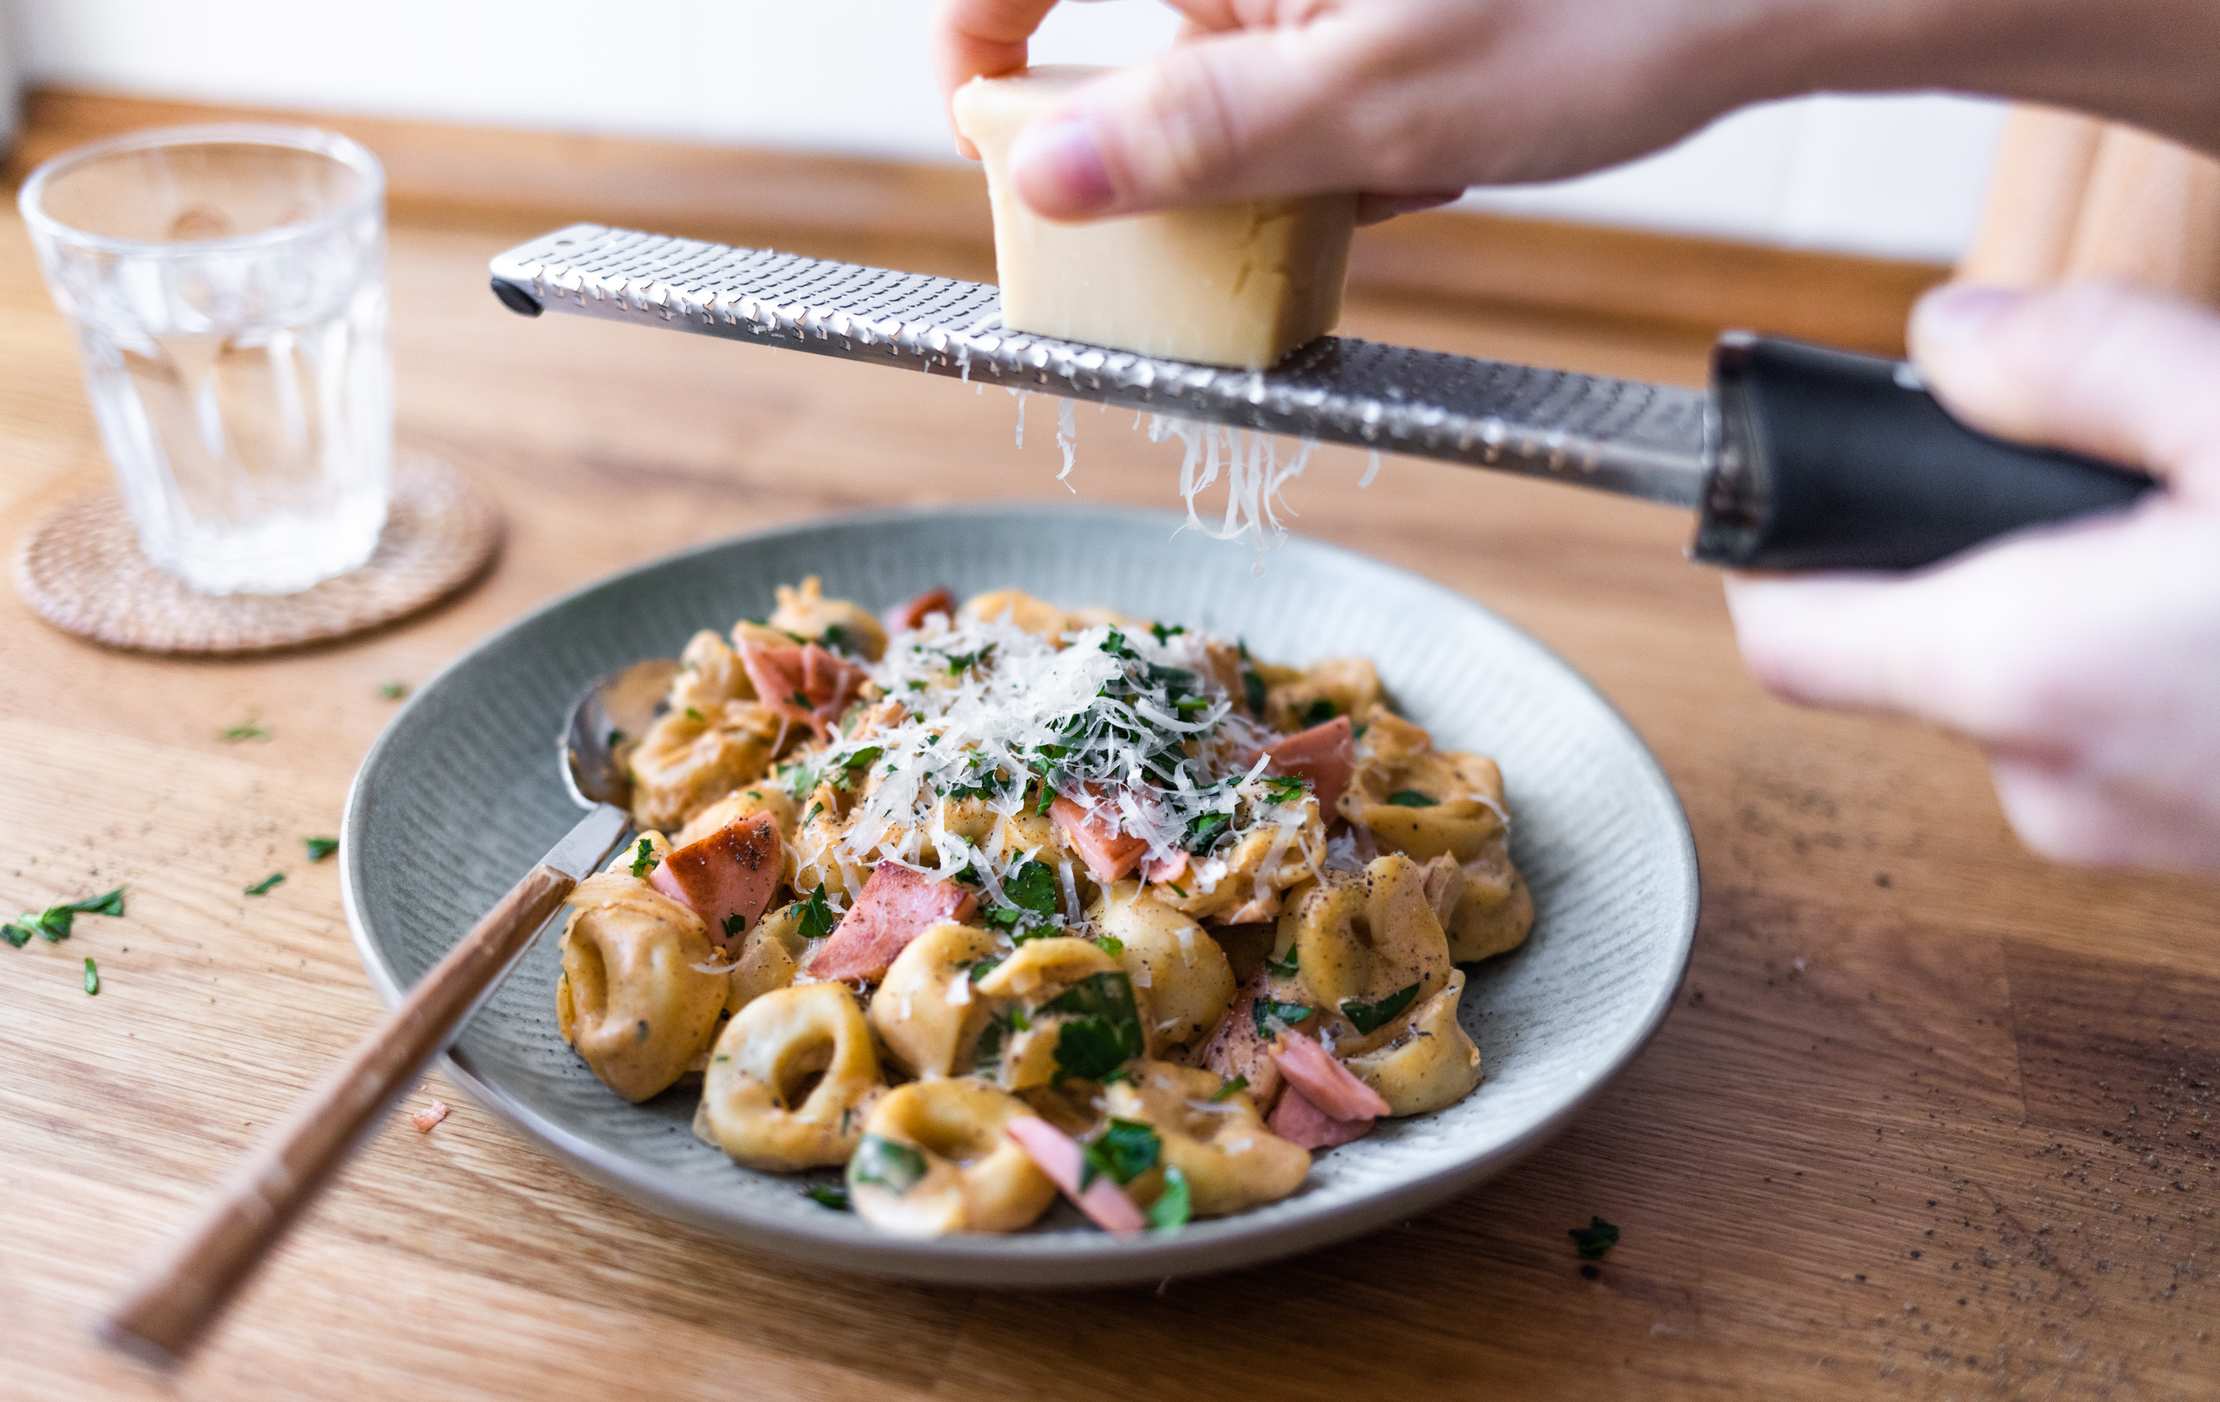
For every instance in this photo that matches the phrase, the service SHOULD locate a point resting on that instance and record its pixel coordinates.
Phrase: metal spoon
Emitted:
(181, 1297)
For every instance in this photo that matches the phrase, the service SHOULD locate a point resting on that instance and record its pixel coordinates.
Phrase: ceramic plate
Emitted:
(462, 794)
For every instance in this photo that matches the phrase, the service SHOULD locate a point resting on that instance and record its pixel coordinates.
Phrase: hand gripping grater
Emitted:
(1799, 457)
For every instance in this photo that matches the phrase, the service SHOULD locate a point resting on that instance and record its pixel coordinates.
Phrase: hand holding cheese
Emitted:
(1224, 284)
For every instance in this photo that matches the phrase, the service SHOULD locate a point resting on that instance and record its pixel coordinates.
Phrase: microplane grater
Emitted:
(1799, 456)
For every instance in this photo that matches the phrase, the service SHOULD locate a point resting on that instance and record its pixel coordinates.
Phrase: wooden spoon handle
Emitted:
(175, 1304)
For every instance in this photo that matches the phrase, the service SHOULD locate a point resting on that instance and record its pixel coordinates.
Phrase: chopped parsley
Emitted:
(853, 765)
(1268, 1011)
(800, 699)
(1371, 1017)
(244, 730)
(694, 714)
(828, 1195)
(320, 847)
(1320, 711)
(962, 662)
(614, 738)
(1110, 945)
(1285, 968)
(53, 923)
(1165, 632)
(644, 859)
(816, 920)
(1030, 893)
(1102, 1029)
(887, 1163)
(1412, 798)
(735, 924)
(1122, 1152)
(392, 691)
(1285, 788)
(798, 777)
(1174, 1205)
(836, 638)
(1206, 829)
(266, 884)
(1227, 1089)
(1115, 644)
(980, 968)
(1594, 1239)
(92, 977)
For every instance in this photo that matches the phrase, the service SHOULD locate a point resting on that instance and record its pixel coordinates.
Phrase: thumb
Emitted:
(2102, 370)
(1219, 117)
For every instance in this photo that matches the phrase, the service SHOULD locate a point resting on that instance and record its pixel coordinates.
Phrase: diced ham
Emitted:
(895, 906)
(427, 1119)
(802, 680)
(1108, 855)
(1235, 1049)
(1059, 1156)
(1324, 754)
(732, 872)
(913, 614)
(1165, 869)
(1298, 1121)
(1323, 1080)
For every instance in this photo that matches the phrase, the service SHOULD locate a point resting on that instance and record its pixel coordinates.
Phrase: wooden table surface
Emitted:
(1931, 1119)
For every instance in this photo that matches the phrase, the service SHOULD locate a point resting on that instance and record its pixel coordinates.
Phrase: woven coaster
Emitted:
(81, 569)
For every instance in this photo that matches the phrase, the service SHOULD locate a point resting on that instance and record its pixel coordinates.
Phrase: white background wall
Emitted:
(1893, 176)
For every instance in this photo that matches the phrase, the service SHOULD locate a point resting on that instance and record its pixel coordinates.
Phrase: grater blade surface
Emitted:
(1617, 435)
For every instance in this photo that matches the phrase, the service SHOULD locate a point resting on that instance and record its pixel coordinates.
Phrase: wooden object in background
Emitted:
(2151, 217)
(2036, 189)
(1932, 1118)
(2073, 198)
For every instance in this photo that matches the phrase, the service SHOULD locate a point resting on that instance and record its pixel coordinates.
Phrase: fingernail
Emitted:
(1059, 169)
(1961, 310)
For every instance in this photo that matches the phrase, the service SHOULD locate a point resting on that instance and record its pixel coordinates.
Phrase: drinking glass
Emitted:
(227, 285)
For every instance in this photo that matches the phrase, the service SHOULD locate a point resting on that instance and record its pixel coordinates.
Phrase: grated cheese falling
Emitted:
(1067, 439)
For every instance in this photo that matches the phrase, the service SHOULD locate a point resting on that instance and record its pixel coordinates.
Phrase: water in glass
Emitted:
(229, 298)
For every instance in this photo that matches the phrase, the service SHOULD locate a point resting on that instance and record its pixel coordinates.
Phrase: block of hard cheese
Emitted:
(1232, 284)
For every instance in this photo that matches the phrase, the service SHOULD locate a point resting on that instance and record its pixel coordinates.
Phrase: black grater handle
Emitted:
(1832, 460)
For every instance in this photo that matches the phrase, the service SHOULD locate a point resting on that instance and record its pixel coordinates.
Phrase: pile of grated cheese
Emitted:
(1129, 725)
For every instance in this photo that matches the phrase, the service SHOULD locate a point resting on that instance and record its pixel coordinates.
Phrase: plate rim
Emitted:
(1083, 1260)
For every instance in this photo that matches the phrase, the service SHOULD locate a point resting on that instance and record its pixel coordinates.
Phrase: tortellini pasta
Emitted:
(927, 1010)
(637, 997)
(1342, 686)
(1219, 1144)
(790, 1079)
(937, 1159)
(1181, 969)
(1366, 946)
(690, 758)
(1430, 1063)
(805, 612)
(1065, 900)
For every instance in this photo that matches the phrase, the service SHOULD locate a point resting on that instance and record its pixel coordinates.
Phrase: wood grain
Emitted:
(168, 1311)
(1933, 1119)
